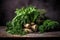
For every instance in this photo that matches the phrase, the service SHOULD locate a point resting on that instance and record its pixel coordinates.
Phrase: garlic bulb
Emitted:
(27, 25)
(32, 23)
(34, 27)
(28, 30)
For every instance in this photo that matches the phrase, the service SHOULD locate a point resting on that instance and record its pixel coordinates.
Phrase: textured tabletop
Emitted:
(46, 34)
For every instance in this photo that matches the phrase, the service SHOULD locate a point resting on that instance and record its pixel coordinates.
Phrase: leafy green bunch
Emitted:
(23, 16)
(27, 15)
(47, 25)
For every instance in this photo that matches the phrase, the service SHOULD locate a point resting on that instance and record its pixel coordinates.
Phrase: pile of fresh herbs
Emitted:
(27, 15)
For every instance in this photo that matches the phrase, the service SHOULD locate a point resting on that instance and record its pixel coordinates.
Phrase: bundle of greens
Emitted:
(47, 25)
(28, 19)
(24, 16)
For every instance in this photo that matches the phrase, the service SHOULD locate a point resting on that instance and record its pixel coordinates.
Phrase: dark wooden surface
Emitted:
(46, 34)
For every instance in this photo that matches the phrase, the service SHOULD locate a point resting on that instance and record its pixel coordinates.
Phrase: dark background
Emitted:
(7, 8)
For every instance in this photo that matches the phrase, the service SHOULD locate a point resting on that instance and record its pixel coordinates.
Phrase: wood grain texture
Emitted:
(3, 33)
